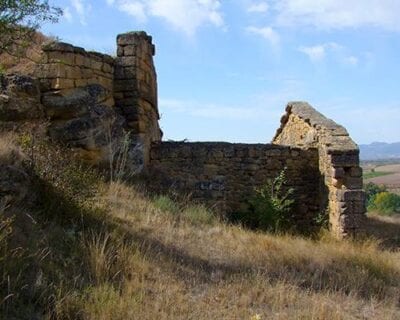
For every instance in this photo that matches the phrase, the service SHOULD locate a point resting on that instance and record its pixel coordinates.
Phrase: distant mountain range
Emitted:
(380, 150)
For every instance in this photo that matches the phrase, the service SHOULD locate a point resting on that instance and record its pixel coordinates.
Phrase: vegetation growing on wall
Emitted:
(270, 208)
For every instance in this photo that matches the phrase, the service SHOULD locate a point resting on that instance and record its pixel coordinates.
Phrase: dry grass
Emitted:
(127, 256)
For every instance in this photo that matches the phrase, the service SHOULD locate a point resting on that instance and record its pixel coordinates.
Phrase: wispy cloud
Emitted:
(258, 7)
(339, 14)
(81, 9)
(184, 15)
(267, 33)
(318, 53)
(67, 14)
(315, 53)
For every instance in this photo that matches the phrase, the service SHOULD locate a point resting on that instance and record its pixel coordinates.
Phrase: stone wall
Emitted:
(136, 88)
(64, 67)
(93, 101)
(224, 175)
(341, 188)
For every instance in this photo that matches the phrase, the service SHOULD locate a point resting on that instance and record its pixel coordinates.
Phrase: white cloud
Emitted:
(260, 7)
(351, 60)
(319, 52)
(133, 8)
(81, 9)
(338, 14)
(67, 14)
(315, 53)
(267, 33)
(184, 15)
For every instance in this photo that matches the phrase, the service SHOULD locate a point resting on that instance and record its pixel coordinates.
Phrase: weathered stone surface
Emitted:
(19, 98)
(73, 103)
(224, 175)
(304, 127)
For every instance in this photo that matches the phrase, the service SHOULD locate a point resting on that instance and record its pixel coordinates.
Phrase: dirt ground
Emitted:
(391, 181)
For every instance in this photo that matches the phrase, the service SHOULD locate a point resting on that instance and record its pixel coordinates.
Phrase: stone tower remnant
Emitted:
(92, 101)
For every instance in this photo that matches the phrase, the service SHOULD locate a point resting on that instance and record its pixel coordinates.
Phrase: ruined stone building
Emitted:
(92, 100)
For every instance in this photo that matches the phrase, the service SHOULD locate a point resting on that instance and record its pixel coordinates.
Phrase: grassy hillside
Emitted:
(83, 248)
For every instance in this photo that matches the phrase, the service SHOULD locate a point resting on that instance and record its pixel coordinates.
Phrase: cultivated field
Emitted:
(386, 174)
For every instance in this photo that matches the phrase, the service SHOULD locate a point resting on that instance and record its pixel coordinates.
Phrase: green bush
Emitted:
(385, 203)
(371, 190)
(270, 207)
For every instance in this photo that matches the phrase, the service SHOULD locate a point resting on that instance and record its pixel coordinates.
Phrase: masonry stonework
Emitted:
(92, 102)
(135, 92)
(341, 185)
(224, 175)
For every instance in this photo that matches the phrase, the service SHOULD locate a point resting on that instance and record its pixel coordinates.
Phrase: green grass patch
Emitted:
(374, 174)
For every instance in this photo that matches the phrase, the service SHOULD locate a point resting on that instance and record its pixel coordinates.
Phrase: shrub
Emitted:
(270, 207)
(385, 203)
(166, 204)
(371, 190)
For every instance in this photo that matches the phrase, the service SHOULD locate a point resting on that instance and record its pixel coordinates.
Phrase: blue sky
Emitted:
(226, 69)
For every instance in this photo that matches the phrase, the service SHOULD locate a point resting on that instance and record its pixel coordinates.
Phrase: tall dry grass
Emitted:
(124, 255)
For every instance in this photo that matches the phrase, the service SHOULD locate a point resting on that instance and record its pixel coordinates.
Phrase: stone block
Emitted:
(120, 51)
(338, 173)
(62, 83)
(126, 61)
(61, 57)
(87, 73)
(96, 65)
(354, 221)
(107, 68)
(353, 183)
(87, 62)
(80, 83)
(356, 172)
(344, 159)
(73, 72)
(79, 60)
(130, 50)
(350, 195)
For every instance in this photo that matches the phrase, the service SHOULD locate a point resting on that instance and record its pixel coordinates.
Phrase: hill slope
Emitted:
(379, 150)
(88, 249)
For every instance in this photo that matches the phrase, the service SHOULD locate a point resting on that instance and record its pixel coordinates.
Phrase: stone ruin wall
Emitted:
(341, 184)
(64, 67)
(92, 101)
(224, 175)
(135, 88)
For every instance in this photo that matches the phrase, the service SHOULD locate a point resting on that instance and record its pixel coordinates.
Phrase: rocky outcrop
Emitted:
(19, 98)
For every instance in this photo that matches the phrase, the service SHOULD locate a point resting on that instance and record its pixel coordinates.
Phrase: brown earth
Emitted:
(391, 181)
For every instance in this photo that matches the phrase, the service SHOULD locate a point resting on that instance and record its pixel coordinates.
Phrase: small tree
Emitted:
(20, 18)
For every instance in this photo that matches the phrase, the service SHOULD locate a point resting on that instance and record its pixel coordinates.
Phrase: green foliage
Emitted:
(385, 203)
(371, 190)
(166, 204)
(270, 207)
(20, 18)
(194, 213)
(374, 174)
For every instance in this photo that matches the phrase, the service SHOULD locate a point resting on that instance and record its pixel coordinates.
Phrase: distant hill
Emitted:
(379, 150)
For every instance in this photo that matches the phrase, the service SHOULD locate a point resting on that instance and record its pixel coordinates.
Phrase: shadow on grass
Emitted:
(385, 229)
